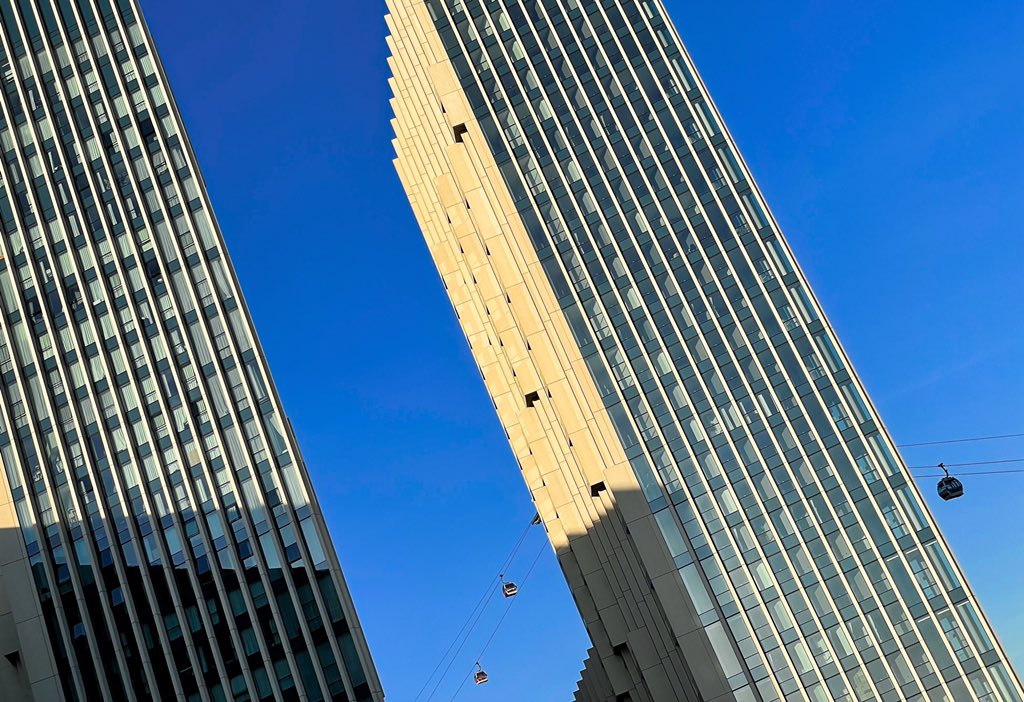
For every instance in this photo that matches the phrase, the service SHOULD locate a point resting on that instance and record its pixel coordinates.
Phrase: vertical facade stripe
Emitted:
(177, 547)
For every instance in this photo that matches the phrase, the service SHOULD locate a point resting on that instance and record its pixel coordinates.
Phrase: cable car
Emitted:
(480, 676)
(949, 487)
(509, 589)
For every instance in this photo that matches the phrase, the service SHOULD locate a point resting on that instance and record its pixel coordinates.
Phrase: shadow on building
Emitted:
(162, 622)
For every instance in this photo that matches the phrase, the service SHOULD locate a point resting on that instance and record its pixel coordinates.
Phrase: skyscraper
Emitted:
(159, 537)
(731, 514)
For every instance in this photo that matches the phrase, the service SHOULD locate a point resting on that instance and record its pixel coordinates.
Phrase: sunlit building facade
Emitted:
(731, 514)
(159, 538)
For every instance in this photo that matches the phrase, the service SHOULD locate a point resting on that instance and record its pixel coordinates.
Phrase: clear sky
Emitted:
(887, 137)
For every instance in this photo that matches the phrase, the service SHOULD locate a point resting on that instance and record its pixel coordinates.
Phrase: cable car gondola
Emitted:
(949, 487)
(509, 589)
(480, 676)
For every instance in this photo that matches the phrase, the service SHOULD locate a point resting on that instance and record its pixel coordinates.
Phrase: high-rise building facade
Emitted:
(159, 537)
(731, 514)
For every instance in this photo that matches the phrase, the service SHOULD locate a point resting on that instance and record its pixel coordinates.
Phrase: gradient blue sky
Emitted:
(888, 139)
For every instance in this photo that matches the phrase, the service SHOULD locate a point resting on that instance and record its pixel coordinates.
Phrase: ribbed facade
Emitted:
(731, 514)
(159, 538)
(594, 685)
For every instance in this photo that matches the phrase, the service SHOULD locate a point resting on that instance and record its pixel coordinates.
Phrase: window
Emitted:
(723, 650)
(813, 366)
(147, 128)
(893, 518)
(922, 574)
(153, 271)
(955, 635)
(974, 627)
(670, 532)
(839, 415)
(35, 312)
(698, 592)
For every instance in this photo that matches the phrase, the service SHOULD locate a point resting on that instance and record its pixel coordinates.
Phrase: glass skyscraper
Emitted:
(731, 514)
(159, 537)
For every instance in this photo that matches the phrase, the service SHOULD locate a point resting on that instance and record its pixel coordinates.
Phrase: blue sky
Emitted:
(887, 138)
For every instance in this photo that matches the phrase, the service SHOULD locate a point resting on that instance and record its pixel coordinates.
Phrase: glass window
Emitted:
(723, 649)
(975, 629)
(670, 532)
(922, 573)
(942, 566)
(697, 590)
(954, 634)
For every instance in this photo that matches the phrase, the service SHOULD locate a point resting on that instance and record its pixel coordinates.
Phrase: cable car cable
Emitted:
(474, 618)
(977, 472)
(971, 463)
(515, 549)
(497, 626)
(471, 622)
(961, 441)
(452, 661)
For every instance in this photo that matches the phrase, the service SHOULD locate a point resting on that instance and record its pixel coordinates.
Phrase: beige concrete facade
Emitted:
(588, 498)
